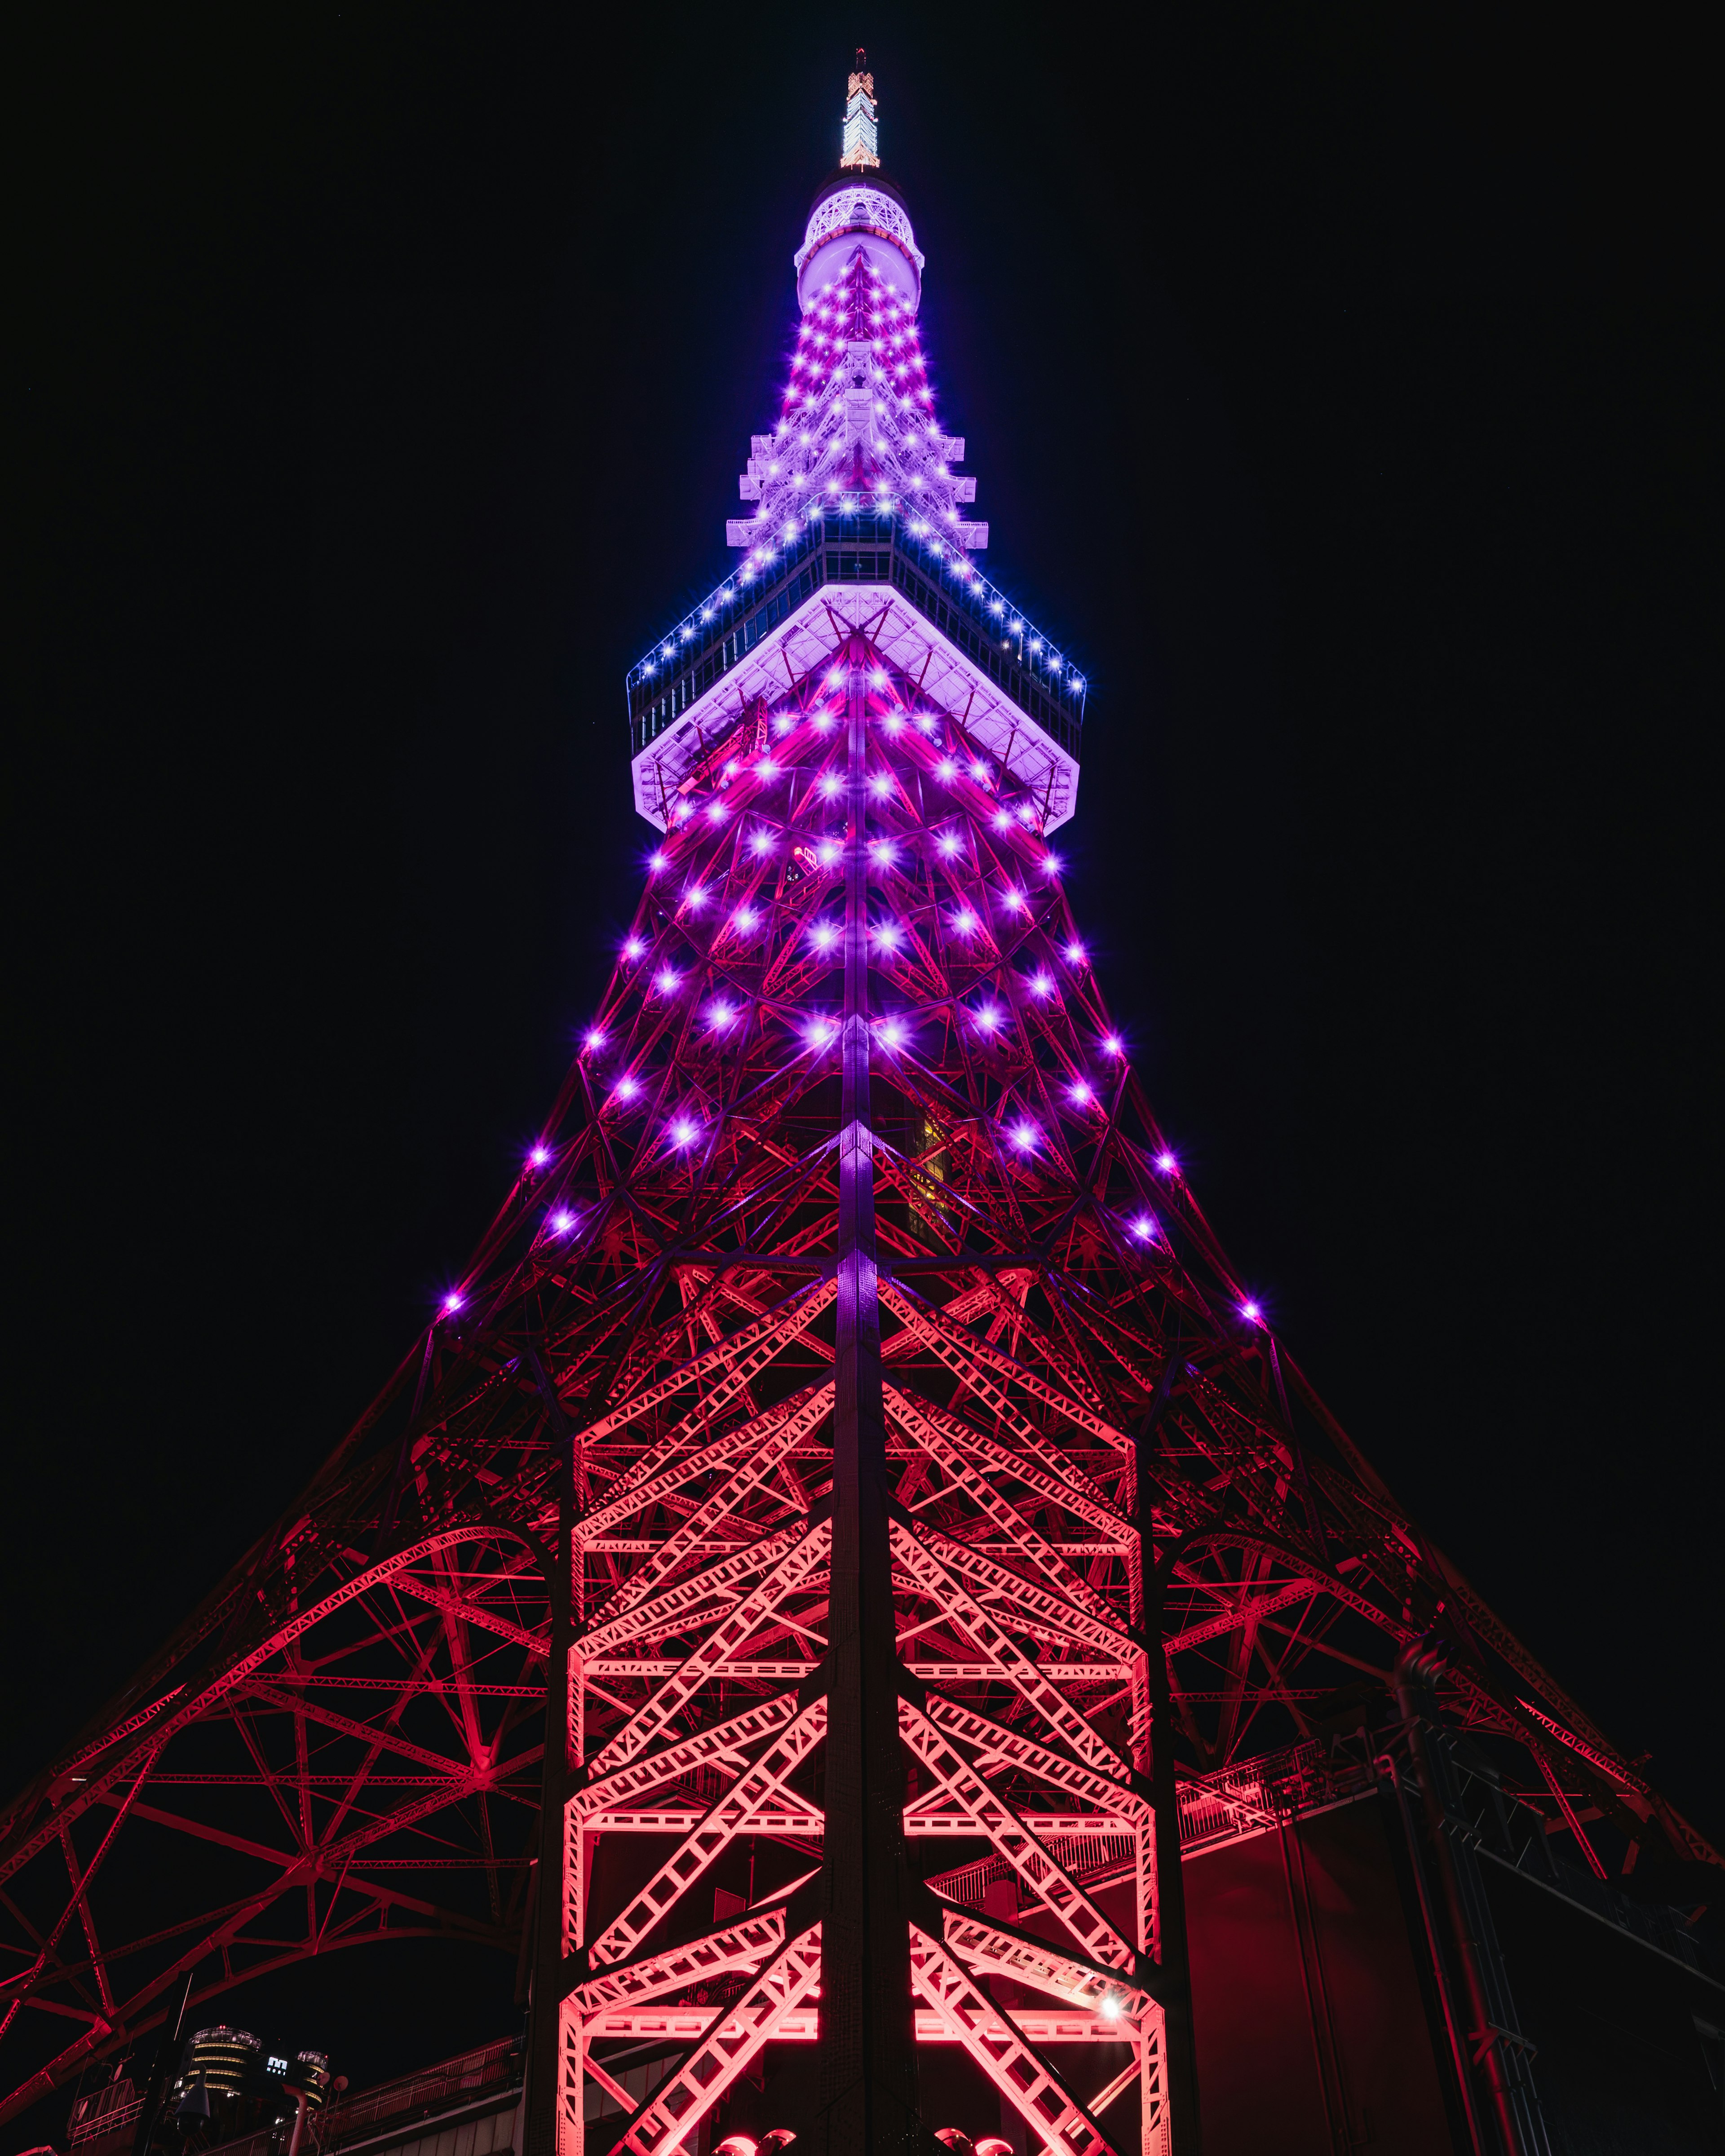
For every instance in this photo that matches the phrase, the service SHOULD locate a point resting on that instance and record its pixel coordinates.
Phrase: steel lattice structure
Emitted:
(851, 1428)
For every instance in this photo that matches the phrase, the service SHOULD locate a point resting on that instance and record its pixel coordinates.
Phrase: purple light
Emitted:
(1082, 1092)
(946, 768)
(562, 1222)
(1114, 1045)
(880, 786)
(979, 770)
(627, 1089)
(783, 723)
(666, 983)
(1252, 1313)
(452, 1301)
(655, 862)
(720, 1016)
(827, 852)
(716, 815)
(1023, 1137)
(746, 918)
(835, 680)
(683, 1132)
(538, 1156)
(633, 947)
(881, 848)
(1051, 864)
(965, 923)
(1144, 1228)
(1041, 984)
(893, 1034)
(888, 936)
(595, 1037)
(821, 1032)
(1075, 953)
(948, 842)
(1167, 1163)
(878, 679)
(767, 769)
(1003, 822)
(830, 785)
(1014, 901)
(988, 1018)
(824, 935)
(762, 843)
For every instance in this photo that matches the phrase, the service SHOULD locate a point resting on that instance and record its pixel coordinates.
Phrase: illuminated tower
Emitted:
(849, 1531)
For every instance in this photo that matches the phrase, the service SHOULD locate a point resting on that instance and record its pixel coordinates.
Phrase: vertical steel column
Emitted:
(1180, 2056)
(552, 1888)
(867, 2062)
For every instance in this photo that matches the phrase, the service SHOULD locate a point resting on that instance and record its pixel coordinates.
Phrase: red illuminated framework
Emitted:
(847, 1524)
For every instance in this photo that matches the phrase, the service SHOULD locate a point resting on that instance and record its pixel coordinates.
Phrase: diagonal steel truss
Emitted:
(846, 1479)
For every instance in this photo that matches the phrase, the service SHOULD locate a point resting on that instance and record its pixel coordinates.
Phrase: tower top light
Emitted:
(860, 152)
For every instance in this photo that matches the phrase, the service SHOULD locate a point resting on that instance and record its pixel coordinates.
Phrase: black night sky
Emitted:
(1343, 389)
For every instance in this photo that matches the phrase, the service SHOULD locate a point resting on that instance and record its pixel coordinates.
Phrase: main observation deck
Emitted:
(1016, 694)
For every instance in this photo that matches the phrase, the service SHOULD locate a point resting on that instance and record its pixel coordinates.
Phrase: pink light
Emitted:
(1114, 1045)
(1003, 822)
(562, 1222)
(979, 770)
(627, 1089)
(835, 680)
(988, 1018)
(720, 1016)
(880, 786)
(1082, 1092)
(452, 1301)
(683, 1132)
(595, 1037)
(824, 936)
(1167, 1163)
(633, 947)
(655, 862)
(946, 768)
(892, 1033)
(746, 918)
(1075, 952)
(947, 843)
(1144, 1228)
(783, 723)
(1014, 901)
(762, 843)
(1051, 864)
(666, 983)
(827, 852)
(830, 785)
(825, 722)
(894, 723)
(696, 897)
(881, 848)
(965, 923)
(821, 1032)
(767, 769)
(888, 936)
(1042, 984)
(1023, 1137)
(716, 815)
(1252, 1313)
(538, 1156)
(877, 679)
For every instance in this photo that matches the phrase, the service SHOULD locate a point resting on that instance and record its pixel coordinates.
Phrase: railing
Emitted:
(940, 582)
(105, 2113)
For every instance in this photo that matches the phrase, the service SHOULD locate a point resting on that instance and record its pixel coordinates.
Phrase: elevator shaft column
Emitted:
(867, 2064)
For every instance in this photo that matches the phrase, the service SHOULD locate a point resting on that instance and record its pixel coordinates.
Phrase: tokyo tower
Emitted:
(848, 1530)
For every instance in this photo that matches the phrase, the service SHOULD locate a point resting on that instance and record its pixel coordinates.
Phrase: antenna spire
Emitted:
(860, 152)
